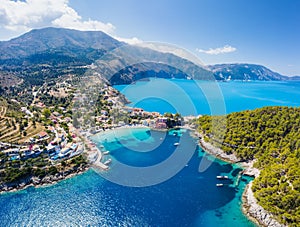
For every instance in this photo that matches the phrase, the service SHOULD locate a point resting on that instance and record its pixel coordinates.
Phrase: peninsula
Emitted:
(268, 140)
(52, 100)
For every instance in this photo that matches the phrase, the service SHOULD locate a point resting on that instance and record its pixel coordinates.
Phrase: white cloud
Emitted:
(22, 16)
(172, 49)
(219, 50)
(131, 41)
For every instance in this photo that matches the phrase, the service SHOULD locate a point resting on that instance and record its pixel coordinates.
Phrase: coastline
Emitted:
(60, 176)
(215, 151)
(41, 182)
(255, 212)
(250, 207)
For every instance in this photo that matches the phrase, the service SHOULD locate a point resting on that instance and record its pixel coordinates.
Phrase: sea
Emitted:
(155, 178)
(192, 97)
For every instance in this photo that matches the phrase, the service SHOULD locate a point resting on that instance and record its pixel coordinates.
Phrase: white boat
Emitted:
(176, 144)
(222, 177)
(107, 162)
(105, 152)
(219, 185)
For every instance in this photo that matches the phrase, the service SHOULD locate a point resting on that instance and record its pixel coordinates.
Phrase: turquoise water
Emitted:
(185, 196)
(189, 198)
(190, 97)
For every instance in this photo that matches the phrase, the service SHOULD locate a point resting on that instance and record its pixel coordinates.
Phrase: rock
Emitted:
(256, 211)
(36, 180)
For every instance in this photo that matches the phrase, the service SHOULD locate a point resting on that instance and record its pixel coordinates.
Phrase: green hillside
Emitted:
(271, 135)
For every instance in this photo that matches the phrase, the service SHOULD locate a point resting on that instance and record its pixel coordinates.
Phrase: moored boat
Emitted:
(222, 177)
(107, 162)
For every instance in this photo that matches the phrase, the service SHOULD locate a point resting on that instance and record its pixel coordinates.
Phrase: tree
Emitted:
(46, 113)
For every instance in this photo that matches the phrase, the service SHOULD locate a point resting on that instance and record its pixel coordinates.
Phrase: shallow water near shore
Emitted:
(190, 198)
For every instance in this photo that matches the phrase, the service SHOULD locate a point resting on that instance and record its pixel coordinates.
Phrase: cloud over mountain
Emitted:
(220, 50)
(22, 16)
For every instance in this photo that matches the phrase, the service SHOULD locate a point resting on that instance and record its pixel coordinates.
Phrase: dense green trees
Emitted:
(271, 135)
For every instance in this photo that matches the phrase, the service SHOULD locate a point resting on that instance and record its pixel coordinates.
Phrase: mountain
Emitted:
(245, 72)
(48, 53)
(131, 63)
(294, 78)
(56, 40)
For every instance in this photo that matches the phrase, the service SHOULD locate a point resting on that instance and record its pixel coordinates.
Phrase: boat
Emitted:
(105, 152)
(219, 185)
(222, 177)
(107, 162)
(176, 144)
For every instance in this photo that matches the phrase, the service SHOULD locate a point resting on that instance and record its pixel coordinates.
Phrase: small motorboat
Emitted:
(222, 177)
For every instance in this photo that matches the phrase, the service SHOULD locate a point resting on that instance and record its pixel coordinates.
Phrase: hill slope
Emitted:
(245, 72)
(271, 135)
(55, 51)
(56, 40)
(47, 53)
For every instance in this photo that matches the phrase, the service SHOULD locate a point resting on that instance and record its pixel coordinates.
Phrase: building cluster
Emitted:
(62, 140)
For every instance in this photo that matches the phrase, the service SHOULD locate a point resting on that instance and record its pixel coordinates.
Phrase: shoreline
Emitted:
(250, 207)
(50, 180)
(255, 212)
(41, 182)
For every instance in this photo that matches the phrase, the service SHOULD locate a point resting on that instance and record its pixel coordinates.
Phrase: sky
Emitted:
(265, 32)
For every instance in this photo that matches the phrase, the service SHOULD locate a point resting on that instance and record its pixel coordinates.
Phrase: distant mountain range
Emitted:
(245, 72)
(50, 52)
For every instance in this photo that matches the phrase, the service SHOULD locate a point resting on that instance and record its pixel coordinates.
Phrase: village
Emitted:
(65, 137)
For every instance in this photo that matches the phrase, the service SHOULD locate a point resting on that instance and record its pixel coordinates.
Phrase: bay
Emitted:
(189, 198)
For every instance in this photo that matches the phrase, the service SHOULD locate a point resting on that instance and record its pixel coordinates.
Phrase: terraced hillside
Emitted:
(14, 127)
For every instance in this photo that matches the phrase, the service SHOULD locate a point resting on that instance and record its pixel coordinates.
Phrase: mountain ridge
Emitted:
(245, 71)
(55, 39)
(59, 49)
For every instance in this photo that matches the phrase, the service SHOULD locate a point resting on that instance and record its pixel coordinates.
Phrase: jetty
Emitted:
(98, 162)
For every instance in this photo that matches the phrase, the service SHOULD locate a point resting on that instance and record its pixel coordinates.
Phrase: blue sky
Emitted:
(264, 32)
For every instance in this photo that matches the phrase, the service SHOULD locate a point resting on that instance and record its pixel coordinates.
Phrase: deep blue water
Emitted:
(185, 196)
(190, 97)
(190, 198)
